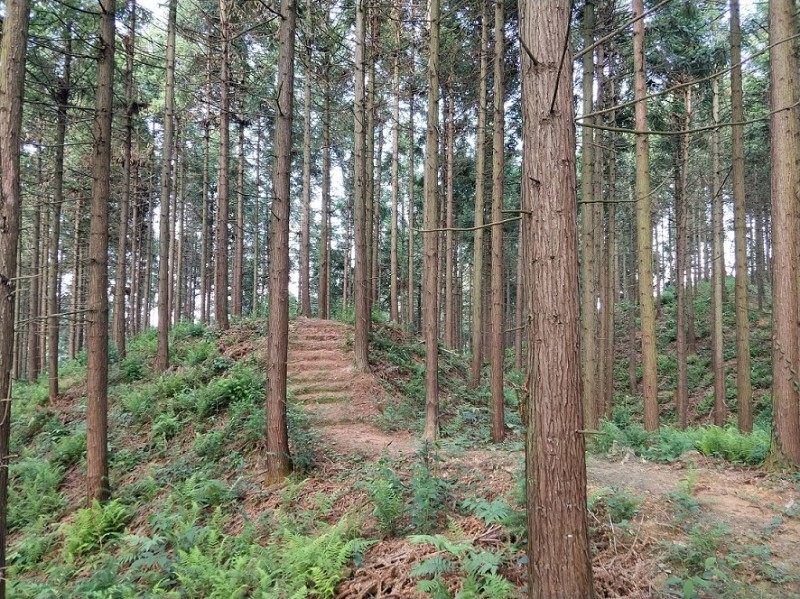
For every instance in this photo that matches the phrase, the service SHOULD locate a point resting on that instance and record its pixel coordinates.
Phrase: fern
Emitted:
(483, 563)
(495, 512)
(435, 588)
(434, 566)
(497, 587)
(441, 543)
(94, 527)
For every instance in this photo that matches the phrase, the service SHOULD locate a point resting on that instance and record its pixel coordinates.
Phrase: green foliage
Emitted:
(144, 344)
(729, 444)
(243, 384)
(166, 426)
(615, 504)
(92, 528)
(29, 551)
(203, 492)
(199, 353)
(186, 329)
(387, 493)
(70, 449)
(139, 402)
(429, 494)
(496, 512)
(669, 443)
(211, 445)
(479, 569)
(133, 368)
(34, 492)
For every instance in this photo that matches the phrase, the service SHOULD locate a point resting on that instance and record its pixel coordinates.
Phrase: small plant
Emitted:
(133, 368)
(479, 569)
(166, 426)
(428, 493)
(70, 449)
(211, 445)
(34, 492)
(615, 504)
(94, 527)
(388, 496)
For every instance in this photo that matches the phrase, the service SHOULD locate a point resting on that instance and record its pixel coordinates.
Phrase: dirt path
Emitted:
(340, 400)
(757, 510)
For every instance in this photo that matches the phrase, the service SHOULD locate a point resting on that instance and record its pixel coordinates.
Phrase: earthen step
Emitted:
(317, 344)
(328, 364)
(332, 413)
(321, 376)
(321, 387)
(314, 354)
(324, 397)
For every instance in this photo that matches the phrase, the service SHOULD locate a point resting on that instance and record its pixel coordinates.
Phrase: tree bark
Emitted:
(497, 348)
(430, 288)
(394, 278)
(480, 163)
(206, 242)
(449, 246)
(121, 283)
(785, 450)
(278, 462)
(221, 264)
(305, 215)
(682, 253)
(164, 280)
(744, 389)
(62, 99)
(559, 564)
(13, 46)
(361, 223)
(411, 200)
(717, 265)
(97, 484)
(644, 228)
(237, 287)
(324, 294)
(588, 232)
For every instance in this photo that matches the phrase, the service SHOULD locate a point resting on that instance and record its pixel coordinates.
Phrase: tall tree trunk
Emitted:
(559, 564)
(256, 223)
(62, 99)
(682, 233)
(430, 288)
(37, 273)
(480, 164)
(588, 231)
(97, 484)
(785, 450)
(394, 312)
(120, 289)
(77, 274)
(376, 217)
(644, 228)
(12, 80)
(324, 294)
(497, 347)
(411, 185)
(223, 192)
(305, 215)
(237, 287)
(164, 282)
(361, 274)
(206, 242)
(449, 250)
(369, 153)
(744, 388)
(179, 235)
(717, 339)
(519, 306)
(279, 463)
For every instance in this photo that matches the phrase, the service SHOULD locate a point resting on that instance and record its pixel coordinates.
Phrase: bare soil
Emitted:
(757, 509)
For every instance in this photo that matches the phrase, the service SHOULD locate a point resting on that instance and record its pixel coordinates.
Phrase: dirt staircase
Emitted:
(340, 401)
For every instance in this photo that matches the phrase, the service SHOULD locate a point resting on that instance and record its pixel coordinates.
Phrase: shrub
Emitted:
(34, 492)
(93, 527)
(133, 368)
(70, 449)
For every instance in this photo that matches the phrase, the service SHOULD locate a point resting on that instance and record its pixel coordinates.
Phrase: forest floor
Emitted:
(731, 531)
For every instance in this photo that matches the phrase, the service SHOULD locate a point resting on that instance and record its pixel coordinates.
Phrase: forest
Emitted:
(457, 299)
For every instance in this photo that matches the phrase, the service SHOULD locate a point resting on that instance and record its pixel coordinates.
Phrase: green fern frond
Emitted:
(433, 566)
(435, 588)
